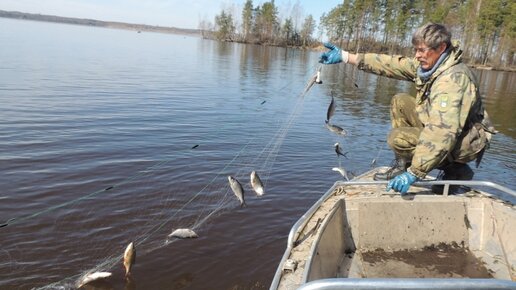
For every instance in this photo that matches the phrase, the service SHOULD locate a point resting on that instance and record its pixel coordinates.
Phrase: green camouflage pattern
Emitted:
(454, 125)
(403, 111)
(406, 126)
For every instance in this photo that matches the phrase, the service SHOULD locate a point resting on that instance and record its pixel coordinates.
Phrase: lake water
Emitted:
(96, 150)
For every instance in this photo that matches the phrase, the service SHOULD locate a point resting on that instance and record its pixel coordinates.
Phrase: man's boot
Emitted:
(454, 171)
(399, 166)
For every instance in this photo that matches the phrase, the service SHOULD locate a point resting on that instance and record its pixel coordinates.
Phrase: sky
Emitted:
(175, 13)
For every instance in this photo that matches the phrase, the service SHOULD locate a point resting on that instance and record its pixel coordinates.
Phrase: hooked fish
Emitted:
(129, 258)
(318, 77)
(238, 190)
(256, 183)
(90, 277)
(342, 172)
(183, 234)
(338, 150)
(331, 109)
(336, 129)
(315, 79)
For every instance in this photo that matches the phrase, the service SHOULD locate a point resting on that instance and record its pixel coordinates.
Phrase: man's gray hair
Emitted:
(432, 35)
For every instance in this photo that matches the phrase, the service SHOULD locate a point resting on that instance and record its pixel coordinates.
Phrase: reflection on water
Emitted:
(499, 91)
(122, 110)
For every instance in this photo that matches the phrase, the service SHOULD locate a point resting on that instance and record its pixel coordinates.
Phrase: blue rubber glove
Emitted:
(402, 182)
(333, 56)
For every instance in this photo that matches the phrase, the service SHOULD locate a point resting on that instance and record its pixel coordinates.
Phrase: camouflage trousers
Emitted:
(406, 126)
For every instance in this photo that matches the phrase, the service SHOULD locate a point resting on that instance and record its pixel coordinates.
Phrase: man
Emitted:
(445, 126)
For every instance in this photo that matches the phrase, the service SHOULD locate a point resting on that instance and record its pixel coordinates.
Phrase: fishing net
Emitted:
(186, 200)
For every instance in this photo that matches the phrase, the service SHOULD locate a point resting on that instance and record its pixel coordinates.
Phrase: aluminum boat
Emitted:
(358, 236)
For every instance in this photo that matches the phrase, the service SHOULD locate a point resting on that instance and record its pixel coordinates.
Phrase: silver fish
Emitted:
(318, 77)
(238, 190)
(315, 79)
(183, 234)
(338, 150)
(256, 183)
(90, 277)
(342, 172)
(129, 258)
(373, 162)
(331, 109)
(336, 129)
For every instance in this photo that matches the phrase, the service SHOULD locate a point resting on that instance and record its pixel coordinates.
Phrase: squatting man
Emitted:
(445, 125)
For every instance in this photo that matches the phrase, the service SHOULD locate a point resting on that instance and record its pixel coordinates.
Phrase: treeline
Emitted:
(261, 24)
(486, 29)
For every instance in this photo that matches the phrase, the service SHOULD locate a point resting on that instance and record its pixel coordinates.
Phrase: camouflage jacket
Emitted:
(448, 104)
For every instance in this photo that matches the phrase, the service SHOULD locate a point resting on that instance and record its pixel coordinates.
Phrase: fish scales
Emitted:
(90, 277)
(183, 234)
(336, 129)
(129, 258)
(331, 109)
(237, 189)
(256, 184)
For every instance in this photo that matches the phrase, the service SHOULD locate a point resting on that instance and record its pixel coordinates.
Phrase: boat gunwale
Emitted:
(407, 283)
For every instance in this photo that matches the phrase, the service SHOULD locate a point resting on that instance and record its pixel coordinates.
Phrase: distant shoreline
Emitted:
(148, 28)
(98, 23)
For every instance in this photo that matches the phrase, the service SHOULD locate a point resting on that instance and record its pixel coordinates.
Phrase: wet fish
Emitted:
(263, 102)
(315, 79)
(195, 146)
(183, 234)
(331, 109)
(318, 77)
(90, 277)
(342, 172)
(336, 129)
(256, 183)
(373, 162)
(238, 190)
(129, 258)
(338, 150)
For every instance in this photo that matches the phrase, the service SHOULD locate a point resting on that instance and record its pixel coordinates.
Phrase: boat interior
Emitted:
(429, 237)
(359, 233)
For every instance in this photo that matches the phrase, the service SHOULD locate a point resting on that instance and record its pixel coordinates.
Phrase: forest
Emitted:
(486, 29)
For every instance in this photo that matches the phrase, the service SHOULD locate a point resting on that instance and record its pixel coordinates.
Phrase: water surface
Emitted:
(96, 140)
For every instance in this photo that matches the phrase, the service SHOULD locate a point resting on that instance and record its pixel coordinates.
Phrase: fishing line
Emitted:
(273, 147)
(213, 197)
(272, 150)
(152, 231)
(87, 196)
(373, 162)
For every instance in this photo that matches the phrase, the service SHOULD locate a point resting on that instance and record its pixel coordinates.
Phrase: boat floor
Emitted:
(443, 261)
